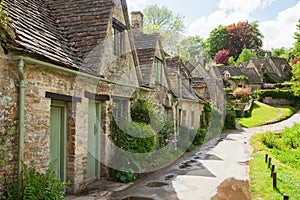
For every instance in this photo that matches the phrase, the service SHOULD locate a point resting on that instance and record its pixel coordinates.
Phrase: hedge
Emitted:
(275, 94)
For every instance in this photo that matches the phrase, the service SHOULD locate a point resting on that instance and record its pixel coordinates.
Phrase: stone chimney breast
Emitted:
(137, 19)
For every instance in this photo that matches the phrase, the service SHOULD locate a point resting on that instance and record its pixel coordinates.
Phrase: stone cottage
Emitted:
(190, 105)
(66, 62)
(236, 77)
(151, 57)
(271, 68)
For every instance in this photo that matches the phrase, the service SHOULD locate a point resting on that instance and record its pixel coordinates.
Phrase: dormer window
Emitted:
(227, 74)
(158, 68)
(118, 37)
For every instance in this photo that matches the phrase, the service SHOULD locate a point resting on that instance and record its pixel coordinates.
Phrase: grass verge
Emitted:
(286, 166)
(264, 114)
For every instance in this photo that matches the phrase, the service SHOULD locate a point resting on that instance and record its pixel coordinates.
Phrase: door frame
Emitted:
(63, 138)
(97, 104)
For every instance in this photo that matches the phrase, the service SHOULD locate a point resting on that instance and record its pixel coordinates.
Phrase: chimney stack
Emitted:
(137, 19)
(268, 54)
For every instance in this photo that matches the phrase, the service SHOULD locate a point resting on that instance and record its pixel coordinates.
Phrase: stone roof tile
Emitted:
(64, 31)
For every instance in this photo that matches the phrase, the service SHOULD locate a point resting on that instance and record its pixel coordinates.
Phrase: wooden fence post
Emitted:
(266, 160)
(274, 180)
(272, 170)
(285, 197)
(269, 163)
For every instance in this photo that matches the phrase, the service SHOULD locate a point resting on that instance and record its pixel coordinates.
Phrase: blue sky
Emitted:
(277, 18)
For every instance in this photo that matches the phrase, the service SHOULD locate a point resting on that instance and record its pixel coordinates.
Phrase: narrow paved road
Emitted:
(199, 174)
(207, 168)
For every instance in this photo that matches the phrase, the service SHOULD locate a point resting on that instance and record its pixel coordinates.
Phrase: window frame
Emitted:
(118, 37)
(158, 70)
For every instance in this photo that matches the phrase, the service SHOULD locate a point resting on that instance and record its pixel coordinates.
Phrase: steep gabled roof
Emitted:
(252, 75)
(262, 63)
(175, 62)
(64, 31)
(188, 93)
(198, 82)
(234, 71)
(146, 45)
(279, 62)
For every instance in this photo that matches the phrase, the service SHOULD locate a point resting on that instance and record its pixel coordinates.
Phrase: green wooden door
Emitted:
(58, 139)
(93, 153)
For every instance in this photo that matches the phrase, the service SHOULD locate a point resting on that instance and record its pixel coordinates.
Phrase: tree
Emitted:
(296, 66)
(216, 40)
(282, 52)
(191, 47)
(297, 44)
(222, 57)
(235, 38)
(296, 79)
(164, 21)
(242, 35)
(242, 93)
(246, 55)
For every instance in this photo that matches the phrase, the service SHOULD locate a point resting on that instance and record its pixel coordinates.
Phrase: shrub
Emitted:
(285, 85)
(230, 119)
(36, 185)
(295, 61)
(242, 93)
(165, 132)
(133, 137)
(289, 138)
(238, 112)
(222, 57)
(140, 111)
(275, 94)
(199, 137)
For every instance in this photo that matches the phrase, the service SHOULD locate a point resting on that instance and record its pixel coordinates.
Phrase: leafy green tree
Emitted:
(246, 55)
(242, 35)
(216, 40)
(297, 44)
(235, 38)
(282, 52)
(231, 61)
(278, 52)
(162, 20)
(296, 79)
(191, 47)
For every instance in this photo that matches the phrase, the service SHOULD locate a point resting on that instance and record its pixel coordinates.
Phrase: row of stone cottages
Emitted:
(257, 72)
(66, 64)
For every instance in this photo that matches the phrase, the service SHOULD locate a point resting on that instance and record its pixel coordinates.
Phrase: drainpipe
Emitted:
(22, 86)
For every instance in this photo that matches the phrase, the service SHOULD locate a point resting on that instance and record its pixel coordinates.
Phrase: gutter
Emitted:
(64, 69)
(22, 86)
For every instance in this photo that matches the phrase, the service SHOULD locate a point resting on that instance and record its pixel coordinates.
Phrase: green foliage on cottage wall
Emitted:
(4, 20)
(4, 139)
(269, 79)
(239, 78)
